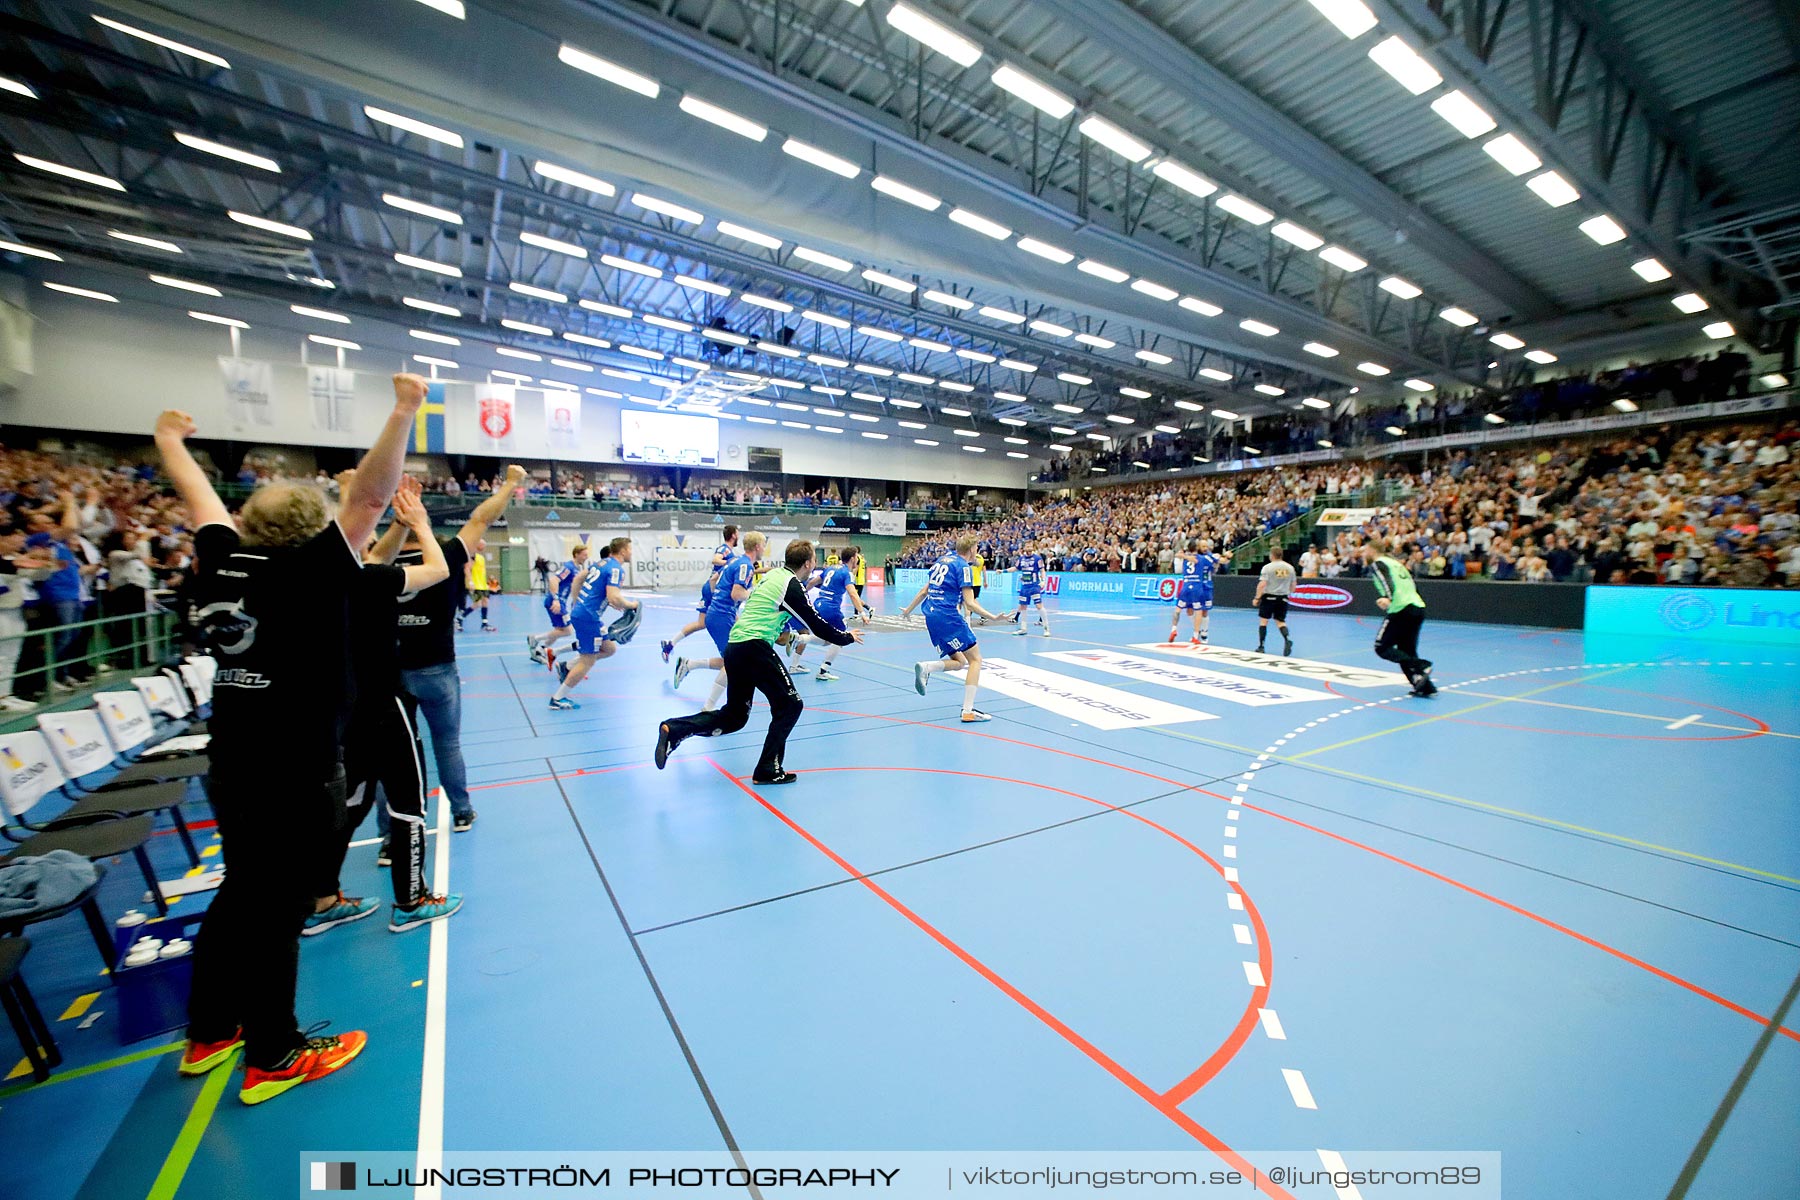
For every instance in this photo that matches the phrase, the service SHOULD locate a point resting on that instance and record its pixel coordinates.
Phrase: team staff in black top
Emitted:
(427, 626)
(382, 747)
(273, 606)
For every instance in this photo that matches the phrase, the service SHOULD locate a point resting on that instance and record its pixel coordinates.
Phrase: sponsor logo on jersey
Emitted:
(1319, 595)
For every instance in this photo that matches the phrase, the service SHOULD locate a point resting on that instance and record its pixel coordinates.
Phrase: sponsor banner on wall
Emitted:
(332, 392)
(562, 421)
(1320, 596)
(1318, 672)
(1090, 703)
(887, 523)
(1215, 685)
(496, 417)
(1348, 516)
(1714, 614)
(249, 392)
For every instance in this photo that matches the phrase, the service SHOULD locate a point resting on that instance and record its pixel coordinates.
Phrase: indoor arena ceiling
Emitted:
(1063, 215)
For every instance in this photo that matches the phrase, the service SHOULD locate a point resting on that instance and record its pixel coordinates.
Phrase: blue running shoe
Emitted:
(346, 910)
(562, 705)
(427, 910)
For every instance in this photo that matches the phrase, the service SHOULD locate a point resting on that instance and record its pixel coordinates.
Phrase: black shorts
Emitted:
(1272, 608)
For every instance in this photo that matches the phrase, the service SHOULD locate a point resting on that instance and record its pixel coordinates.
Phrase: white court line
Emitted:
(1271, 1025)
(1242, 933)
(375, 841)
(1254, 974)
(1334, 1162)
(1234, 901)
(1684, 722)
(1303, 1097)
(437, 976)
(1231, 852)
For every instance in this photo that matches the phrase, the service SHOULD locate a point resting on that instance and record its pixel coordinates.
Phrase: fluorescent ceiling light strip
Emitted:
(1191, 182)
(611, 310)
(667, 208)
(1342, 259)
(928, 344)
(208, 146)
(582, 339)
(1204, 307)
(1513, 154)
(1401, 288)
(1690, 302)
(1373, 368)
(139, 239)
(1100, 270)
(1096, 341)
(424, 129)
(85, 293)
(1507, 341)
(268, 226)
(1260, 328)
(933, 35)
(1405, 64)
(1039, 95)
(1189, 406)
(702, 285)
(575, 179)
(1603, 229)
(432, 361)
(1051, 328)
(780, 306)
(1055, 254)
(1553, 189)
(75, 173)
(1135, 393)
(526, 355)
(166, 43)
(1542, 357)
(340, 343)
(1216, 375)
(553, 245)
(1153, 356)
(30, 251)
(1001, 314)
(319, 314)
(907, 193)
(820, 258)
(420, 208)
(1320, 349)
(950, 301)
(1306, 239)
(442, 339)
(1420, 385)
(20, 88)
(233, 322)
(1460, 317)
(1151, 288)
(1651, 270)
(431, 306)
(1243, 209)
(746, 234)
(808, 153)
(875, 331)
(537, 293)
(1115, 139)
(610, 71)
(886, 280)
(636, 268)
(1352, 17)
(724, 118)
(525, 327)
(980, 224)
(426, 264)
(1464, 115)
(825, 319)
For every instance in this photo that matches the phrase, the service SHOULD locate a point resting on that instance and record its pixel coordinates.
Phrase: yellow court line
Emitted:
(79, 1006)
(1367, 737)
(1508, 812)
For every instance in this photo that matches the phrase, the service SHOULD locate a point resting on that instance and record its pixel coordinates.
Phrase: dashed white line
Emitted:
(1271, 1025)
(1254, 974)
(1334, 1163)
(1231, 831)
(1234, 901)
(1231, 852)
(1231, 875)
(1684, 722)
(1242, 934)
(1303, 1097)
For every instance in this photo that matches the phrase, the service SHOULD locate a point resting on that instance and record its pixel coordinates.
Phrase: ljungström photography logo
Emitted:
(1687, 612)
(334, 1177)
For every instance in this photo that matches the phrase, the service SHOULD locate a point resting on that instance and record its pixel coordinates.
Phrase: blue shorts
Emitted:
(1193, 596)
(1031, 596)
(719, 626)
(833, 617)
(795, 625)
(590, 632)
(705, 597)
(950, 634)
(557, 621)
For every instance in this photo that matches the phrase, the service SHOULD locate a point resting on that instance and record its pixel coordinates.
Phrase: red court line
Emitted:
(1168, 1108)
(1762, 727)
(1524, 912)
(1265, 954)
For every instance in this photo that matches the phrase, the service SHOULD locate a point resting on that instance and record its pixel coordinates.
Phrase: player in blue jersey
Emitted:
(1195, 597)
(946, 594)
(725, 553)
(835, 586)
(556, 607)
(1030, 566)
(794, 634)
(736, 578)
(599, 589)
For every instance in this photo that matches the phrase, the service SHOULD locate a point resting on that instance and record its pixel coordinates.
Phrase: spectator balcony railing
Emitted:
(102, 653)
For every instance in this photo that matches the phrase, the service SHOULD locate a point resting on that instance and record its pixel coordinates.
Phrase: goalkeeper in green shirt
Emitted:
(751, 665)
(1398, 639)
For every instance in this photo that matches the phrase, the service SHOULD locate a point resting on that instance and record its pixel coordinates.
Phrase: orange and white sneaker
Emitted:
(1174, 634)
(201, 1057)
(316, 1059)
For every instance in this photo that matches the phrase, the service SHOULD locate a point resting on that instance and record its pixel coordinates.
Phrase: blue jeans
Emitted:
(439, 694)
(62, 612)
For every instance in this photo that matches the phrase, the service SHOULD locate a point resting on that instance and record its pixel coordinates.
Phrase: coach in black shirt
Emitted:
(272, 604)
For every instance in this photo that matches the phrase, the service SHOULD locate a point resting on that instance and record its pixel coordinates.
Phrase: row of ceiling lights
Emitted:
(1414, 73)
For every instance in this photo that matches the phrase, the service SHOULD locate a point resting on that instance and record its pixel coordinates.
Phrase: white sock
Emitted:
(562, 691)
(831, 654)
(1205, 626)
(968, 697)
(941, 664)
(718, 689)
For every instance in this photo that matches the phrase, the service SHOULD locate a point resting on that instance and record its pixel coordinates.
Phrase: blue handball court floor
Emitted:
(1167, 900)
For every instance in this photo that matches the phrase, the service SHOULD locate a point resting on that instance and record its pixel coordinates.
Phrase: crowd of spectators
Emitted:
(1648, 387)
(79, 541)
(1140, 526)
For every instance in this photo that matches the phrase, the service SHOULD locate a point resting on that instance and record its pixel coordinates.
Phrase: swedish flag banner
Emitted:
(428, 424)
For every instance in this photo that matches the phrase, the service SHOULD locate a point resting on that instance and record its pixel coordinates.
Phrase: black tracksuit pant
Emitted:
(750, 667)
(384, 763)
(1398, 640)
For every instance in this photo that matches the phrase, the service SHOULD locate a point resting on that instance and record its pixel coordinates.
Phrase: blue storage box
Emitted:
(153, 998)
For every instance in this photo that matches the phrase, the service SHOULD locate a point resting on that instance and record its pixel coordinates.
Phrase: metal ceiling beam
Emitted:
(1134, 38)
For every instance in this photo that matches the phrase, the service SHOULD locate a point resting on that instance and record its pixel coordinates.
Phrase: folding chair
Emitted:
(154, 694)
(79, 742)
(28, 773)
(22, 1011)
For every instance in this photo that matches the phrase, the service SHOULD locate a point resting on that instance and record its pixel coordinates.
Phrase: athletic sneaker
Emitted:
(550, 657)
(1287, 645)
(826, 675)
(465, 822)
(920, 675)
(384, 857)
(427, 910)
(562, 672)
(799, 668)
(563, 704)
(201, 1057)
(665, 742)
(777, 778)
(1174, 635)
(459, 622)
(319, 1057)
(682, 667)
(1194, 643)
(15, 704)
(1021, 631)
(486, 628)
(537, 655)
(668, 648)
(975, 715)
(344, 911)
